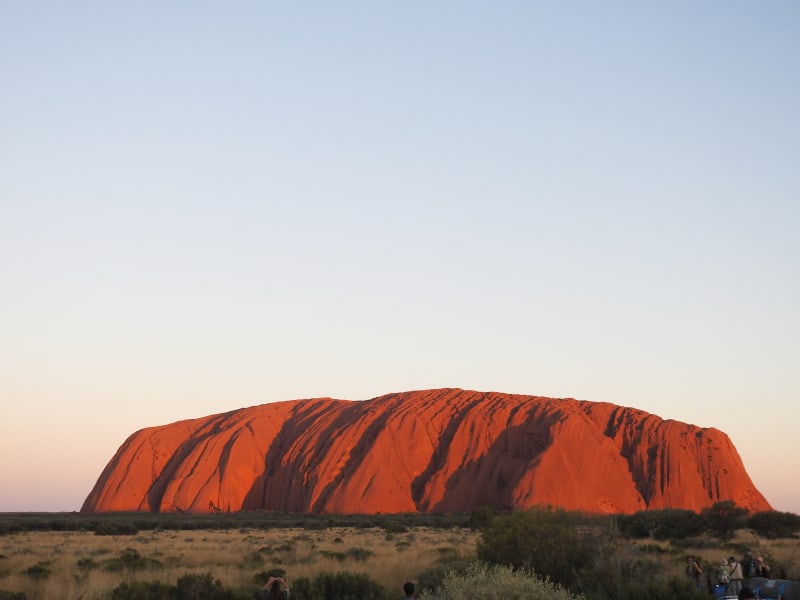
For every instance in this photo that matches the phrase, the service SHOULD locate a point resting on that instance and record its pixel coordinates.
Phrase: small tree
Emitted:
(481, 516)
(773, 524)
(663, 524)
(723, 518)
(551, 542)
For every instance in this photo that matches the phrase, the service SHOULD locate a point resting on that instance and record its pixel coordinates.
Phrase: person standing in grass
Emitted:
(762, 568)
(408, 590)
(694, 572)
(736, 575)
(724, 578)
(276, 588)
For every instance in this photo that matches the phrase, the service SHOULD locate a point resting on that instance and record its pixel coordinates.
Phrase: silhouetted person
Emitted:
(694, 572)
(408, 590)
(762, 568)
(745, 593)
(276, 588)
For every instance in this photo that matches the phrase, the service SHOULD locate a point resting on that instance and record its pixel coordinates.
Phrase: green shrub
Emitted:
(723, 518)
(394, 527)
(6, 595)
(774, 524)
(481, 516)
(359, 554)
(339, 586)
(495, 582)
(87, 563)
(433, 577)
(39, 571)
(140, 590)
(115, 528)
(131, 560)
(339, 556)
(662, 524)
(551, 542)
(620, 573)
(201, 587)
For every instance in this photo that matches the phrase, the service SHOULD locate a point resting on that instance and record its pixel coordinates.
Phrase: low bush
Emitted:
(433, 577)
(115, 528)
(551, 542)
(338, 556)
(662, 524)
(201, 587)
(188, 587)
(130, 559)
(494, 582)
(141, 590)
(723, 519)
(481, 516)
(359, 554)
(339, 586)
(39, 571)
(87, 563)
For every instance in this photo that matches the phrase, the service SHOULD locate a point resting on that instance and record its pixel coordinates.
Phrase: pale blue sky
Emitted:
(205, 206)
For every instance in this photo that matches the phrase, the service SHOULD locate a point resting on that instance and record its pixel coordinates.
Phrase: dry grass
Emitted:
(780, 553)
(235, 556)
(785, 552)
(232, 556)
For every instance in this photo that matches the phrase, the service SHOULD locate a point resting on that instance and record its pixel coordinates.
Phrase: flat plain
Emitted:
(86, 566)
(48, 564)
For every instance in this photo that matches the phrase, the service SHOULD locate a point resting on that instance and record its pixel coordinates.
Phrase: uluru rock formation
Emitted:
(445, 450)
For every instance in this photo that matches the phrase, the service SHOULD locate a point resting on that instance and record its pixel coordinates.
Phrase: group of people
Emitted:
(277, 588)
(731, 574)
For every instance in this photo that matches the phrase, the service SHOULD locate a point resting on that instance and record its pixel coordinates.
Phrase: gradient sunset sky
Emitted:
(206, 206)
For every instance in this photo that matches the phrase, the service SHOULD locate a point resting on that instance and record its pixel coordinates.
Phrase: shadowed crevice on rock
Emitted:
(156, 493)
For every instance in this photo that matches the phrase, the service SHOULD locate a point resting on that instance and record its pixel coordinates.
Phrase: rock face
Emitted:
(445, 450)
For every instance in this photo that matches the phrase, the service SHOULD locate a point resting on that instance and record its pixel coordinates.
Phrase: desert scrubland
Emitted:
(85, 565)
(82, 564)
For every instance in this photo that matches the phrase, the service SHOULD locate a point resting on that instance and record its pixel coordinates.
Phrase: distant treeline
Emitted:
(720, 520)
(121, 523)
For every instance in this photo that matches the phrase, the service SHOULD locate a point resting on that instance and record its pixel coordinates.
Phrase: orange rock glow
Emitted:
(445, 450)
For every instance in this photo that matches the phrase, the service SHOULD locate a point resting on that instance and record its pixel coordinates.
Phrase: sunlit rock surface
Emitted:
(444, 450)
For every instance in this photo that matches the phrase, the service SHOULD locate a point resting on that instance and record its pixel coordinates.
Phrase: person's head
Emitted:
(759, 559)
(273, 586)
(408, 589)
(746, 593)
(732, 560)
